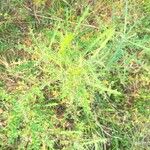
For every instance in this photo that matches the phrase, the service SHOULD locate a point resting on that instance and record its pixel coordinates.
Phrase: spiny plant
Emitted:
(68, 91)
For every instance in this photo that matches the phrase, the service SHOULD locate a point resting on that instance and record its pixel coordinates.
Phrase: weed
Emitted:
(70, 83)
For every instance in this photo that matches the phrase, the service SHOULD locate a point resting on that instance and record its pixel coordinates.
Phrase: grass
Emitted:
(74, 75)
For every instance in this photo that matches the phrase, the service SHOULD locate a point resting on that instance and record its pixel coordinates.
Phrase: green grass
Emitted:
(77, 77)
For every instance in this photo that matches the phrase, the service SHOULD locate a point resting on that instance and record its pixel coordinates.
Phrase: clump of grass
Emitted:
(146, 5)
(76, 86)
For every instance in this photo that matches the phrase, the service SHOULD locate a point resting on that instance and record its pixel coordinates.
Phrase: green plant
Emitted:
(74, 85)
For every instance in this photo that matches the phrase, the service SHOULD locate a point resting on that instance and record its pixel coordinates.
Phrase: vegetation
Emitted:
(74, 75)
